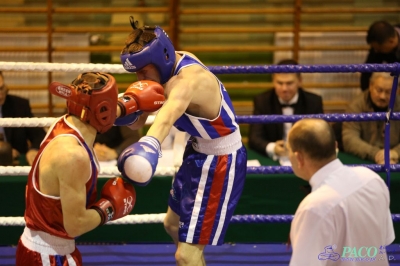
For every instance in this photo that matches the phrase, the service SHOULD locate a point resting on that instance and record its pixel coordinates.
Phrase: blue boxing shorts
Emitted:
(205, 193)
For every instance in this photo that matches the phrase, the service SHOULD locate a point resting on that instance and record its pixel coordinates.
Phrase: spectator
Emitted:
(366, 139)
(6, 158)
(348, 208)
(288, 98)
(383, 39)
(24, 140)
(111, 143)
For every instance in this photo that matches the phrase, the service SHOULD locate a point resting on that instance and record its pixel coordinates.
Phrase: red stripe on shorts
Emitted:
(213, 199)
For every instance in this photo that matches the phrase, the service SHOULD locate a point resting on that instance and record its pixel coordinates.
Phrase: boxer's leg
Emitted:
(171, 225)
(171, 220)
(190, 254)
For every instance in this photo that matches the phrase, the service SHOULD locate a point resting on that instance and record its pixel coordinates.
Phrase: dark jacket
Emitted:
(267, 103)
(18, 137)
(377, 58)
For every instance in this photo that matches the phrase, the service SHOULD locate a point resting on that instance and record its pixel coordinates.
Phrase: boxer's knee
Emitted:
(189, 254)
(182, 258)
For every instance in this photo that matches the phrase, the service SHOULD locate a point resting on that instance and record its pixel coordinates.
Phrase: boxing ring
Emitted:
(162, 254)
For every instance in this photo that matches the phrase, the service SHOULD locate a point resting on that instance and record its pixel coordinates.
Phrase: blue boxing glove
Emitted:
(128, 119)
(138, 162)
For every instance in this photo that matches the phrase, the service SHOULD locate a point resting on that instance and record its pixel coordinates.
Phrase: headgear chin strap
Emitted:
(160, 52)
(92, 97)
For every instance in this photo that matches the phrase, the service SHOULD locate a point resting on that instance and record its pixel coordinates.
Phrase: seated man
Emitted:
(384, 40)
(366, 139)
(23, 140)
(288, 98)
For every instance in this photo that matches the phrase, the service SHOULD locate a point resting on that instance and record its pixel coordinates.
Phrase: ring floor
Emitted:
(163, 254)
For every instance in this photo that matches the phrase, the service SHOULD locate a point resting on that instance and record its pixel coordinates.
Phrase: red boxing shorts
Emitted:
(39, 248)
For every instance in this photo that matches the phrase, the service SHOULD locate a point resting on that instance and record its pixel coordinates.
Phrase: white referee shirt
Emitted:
(345, 220)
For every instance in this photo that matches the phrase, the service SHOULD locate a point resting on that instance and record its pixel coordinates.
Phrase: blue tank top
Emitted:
(224, 124)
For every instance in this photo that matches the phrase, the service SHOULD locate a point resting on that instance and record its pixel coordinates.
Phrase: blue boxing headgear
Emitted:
(160, 52)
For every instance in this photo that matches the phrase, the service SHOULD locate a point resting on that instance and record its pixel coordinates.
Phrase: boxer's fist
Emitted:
(144, 95)
(138, 162)
(117, 200)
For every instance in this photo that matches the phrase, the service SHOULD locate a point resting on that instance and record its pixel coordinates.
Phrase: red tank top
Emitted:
(43, 212)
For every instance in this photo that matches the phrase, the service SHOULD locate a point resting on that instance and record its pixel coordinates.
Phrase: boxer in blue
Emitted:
(209, 183)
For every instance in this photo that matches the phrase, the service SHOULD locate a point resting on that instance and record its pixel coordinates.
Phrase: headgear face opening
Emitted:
(160, 52)
(92, 97)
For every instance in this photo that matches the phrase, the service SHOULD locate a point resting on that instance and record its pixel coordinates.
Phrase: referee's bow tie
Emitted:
(288, 105)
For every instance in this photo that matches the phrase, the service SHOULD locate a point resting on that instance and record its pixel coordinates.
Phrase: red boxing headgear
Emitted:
(92, 97)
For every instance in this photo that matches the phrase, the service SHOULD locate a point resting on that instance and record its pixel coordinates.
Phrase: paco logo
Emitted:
(64, 91)
(358, 254)
(361, 252)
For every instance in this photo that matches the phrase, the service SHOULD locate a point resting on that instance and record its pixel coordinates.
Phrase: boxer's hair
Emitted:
(138, 38)
(380, 32)
(318, 142)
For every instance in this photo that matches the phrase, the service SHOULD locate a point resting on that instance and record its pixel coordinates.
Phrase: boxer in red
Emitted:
(61, 190)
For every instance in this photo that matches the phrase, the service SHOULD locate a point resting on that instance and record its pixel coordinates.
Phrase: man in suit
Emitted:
(384, 41)
(367, 139)
(23, 140)
(288, 98)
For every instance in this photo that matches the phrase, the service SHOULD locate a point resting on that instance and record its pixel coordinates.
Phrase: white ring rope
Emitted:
(62, 67)
(41, 122)
(129, 219)
(108, 171)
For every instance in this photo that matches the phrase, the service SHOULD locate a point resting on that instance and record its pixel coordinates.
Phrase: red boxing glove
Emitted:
(117, 200)
(144, 95)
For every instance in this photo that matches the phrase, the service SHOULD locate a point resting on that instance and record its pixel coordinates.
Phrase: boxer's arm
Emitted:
(72, 180)
(145, 95)
(138, 162)
(181, 91)
(141, 96)
(140, 122)
(117, 200)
